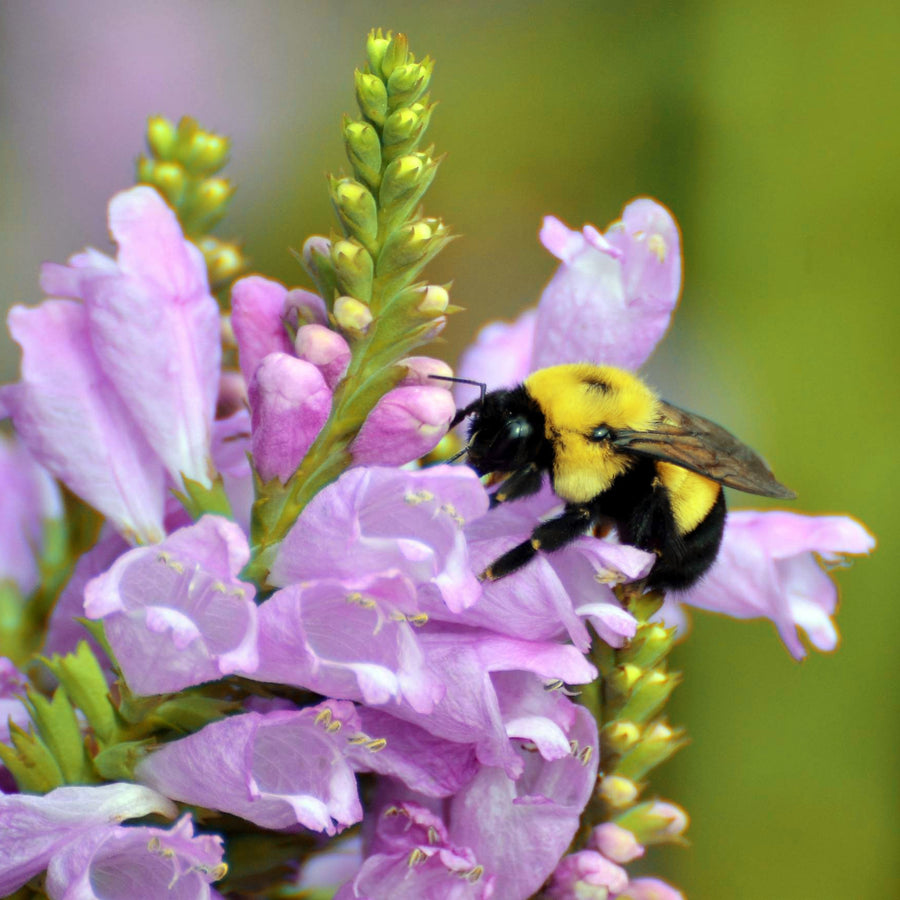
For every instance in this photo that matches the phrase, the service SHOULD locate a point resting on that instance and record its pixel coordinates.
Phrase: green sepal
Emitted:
(406, 252)
(356, 208)
(54, 720)
(188, 712)
(30, 762)
(652, 750)
(118, 762)
(200, 500)
(364, 151)
(354, 269)
(371, 97)
(376, 46)
(618, 737)
(81, 676)
(14, 637)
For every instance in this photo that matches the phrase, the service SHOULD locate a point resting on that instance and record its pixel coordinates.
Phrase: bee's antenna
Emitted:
(479, 384)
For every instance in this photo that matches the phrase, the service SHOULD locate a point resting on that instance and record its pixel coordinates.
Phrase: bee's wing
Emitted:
(695, 443)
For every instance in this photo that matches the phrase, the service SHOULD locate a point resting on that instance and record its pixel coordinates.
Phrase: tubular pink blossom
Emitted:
(257, 317)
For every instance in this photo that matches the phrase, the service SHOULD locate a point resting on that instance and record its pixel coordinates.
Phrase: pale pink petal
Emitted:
(257, 317)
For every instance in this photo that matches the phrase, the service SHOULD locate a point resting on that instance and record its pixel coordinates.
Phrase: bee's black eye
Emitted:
(600, 433)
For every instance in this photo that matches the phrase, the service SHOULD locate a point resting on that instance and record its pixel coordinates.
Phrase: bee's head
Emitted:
(506, 431)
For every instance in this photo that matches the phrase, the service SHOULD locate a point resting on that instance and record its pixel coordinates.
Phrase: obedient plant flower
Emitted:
(176, 614)
(108, 410)
(37, 829)
(115, 863)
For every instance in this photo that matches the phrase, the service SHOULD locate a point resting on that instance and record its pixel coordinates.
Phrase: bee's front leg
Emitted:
(521, 483)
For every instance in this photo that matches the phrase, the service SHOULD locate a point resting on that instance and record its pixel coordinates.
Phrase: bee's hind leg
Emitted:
(551, 535)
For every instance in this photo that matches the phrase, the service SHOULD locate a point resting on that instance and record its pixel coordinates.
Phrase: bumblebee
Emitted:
(617, 453)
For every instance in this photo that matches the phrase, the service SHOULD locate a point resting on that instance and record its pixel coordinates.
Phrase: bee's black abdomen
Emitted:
(640, 506)
(681, 566)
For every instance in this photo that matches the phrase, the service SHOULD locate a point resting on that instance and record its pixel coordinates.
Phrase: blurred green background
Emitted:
(770, 129)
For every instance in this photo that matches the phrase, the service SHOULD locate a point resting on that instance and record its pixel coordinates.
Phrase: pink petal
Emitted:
(257, 317)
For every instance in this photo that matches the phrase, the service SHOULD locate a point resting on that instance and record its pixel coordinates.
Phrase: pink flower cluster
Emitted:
(437, 686)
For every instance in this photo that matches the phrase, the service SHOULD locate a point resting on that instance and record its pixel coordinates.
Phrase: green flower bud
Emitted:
(354, 269)
(407, 83)
(364, 151)
(161, 137)
(395, 54)
(376, 47)
(352, 315)
(224, 260)
(656, 745)
(208, 204)
(170, 179)
(622, 681)
(655, 822)
(652, 642)
(617, 791)
(371, 96)
(206, 153)
(400, 126)
(406, 246)
(405, 181)
(619, 736)
(649, 696)
(435, 299)
(357, 209)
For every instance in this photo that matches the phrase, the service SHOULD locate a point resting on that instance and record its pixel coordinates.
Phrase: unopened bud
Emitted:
(615, 843)
(352, 315)
(170, 179)
(206, 153)
(405, 247)
(649, 696)
(210, 201)
(656, 745)
(435, 300)
(617, 791)
(364, 151)
(619, 737)
(399, 126)
(356, 207)
(353, 267)
(325, 349)
(371, 96)
(161, 137)
(422, 369)
(655, 822)
(224, 260)
(376, 47)
(623, 679)
(407, 83)
(651, 643)
(395, 54)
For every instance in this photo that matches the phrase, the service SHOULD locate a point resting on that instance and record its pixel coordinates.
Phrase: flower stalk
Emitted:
(366, 274)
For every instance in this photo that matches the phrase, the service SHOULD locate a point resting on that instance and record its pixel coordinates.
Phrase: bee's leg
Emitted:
(551, 535)
(520, 483)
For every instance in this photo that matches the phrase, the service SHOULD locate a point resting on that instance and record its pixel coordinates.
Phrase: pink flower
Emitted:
(176, 613)
(119, 381)
(768, 566)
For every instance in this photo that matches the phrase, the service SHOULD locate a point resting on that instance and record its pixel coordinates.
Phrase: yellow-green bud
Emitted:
(617, 791)
(619, 736)
(400, 126)
(161, 137)
(649, 696)
(435, 300)
(171, 180)
(317, 261)
(396, 54)
(352, 315)
(622, 680)
(652, 642)
(406, 179)
(656, 745)
(407, 83)
(356, 207)
(206, 153)
(376, 47)
(371, 96)
(405, 247)
(224, 260)
(211, 198)
(364, 151)
(354, 269)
